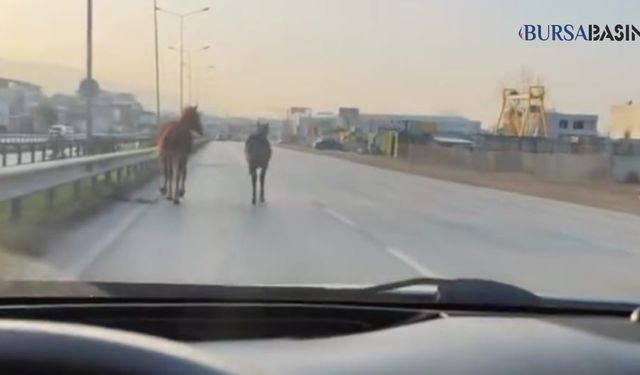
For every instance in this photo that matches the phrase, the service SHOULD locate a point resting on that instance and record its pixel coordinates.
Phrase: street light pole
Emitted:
(182, 16)
(155, 27)
(189, 53)
(181, 63)
(89, 70)
(198, 91)
(190, 76)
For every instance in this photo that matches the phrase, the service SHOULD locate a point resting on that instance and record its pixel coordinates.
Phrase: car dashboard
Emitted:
(289, 338)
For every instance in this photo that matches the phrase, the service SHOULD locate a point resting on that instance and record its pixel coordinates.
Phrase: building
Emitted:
(147, 121)
(126, 111)
(571, 124)
(292, 122)
(4, 110)
(71, 110)
(352, 118)
(625, 121)
(112, 112)
(306, 124)
(18, 100)
(316, 125)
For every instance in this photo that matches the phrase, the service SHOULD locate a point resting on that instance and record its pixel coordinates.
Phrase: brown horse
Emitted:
(257, 150)
(175, 143)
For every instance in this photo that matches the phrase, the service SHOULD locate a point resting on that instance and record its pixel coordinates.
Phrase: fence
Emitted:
(19, 182)
(31, 138)
(39, 138)
(569, 145)
(17, 150)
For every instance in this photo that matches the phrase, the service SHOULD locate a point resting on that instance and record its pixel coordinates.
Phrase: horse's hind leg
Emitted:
(263, 174)
(177, 171)
(169, 167)
(183, 177)
(165, 171)
(254, 177)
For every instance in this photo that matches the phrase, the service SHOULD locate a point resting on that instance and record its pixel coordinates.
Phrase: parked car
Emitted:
(327, 144)
(61, 130)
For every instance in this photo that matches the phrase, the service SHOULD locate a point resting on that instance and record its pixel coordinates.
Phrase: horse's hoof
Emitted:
(163, 191)
(253, 202)
(176, 202)
(169, 198)
(261, 199)
(181, 193)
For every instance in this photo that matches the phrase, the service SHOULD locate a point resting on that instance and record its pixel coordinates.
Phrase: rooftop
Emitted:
(5, 82)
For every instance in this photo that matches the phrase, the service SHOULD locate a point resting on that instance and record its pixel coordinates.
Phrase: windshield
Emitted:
(288, 142)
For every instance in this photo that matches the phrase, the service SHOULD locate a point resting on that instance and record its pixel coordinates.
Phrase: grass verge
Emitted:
(38, 223)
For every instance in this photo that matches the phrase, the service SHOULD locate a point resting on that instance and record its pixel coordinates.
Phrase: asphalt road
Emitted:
(332, 221)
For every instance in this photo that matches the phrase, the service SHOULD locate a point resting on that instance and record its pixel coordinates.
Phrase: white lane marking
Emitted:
(94, 252)
(409, 261)
(340, 217)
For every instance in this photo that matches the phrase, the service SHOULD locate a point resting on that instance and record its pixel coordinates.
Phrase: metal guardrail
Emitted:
(40, 138)
(12, 153)
(16, 182)
(33, 138)
(20, 181)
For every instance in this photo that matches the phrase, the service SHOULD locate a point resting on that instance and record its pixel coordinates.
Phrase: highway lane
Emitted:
(332, 221)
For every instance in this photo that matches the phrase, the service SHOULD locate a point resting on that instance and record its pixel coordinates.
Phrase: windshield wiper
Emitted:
(467, 291)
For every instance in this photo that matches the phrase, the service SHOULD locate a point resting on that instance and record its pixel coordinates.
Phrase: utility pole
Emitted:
(181, 63)
(155, 29)
(190, 77)
(89, 72)
(182, 16)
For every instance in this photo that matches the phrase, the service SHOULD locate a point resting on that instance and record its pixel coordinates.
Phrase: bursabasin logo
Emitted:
(579, 33)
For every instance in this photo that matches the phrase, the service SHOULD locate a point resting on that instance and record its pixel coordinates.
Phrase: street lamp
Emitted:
(189, 53)
(156, 51)
(198, 82)
(181, 17)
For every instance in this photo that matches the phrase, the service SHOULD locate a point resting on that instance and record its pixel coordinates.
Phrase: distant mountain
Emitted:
(63, 79)
(52, 78)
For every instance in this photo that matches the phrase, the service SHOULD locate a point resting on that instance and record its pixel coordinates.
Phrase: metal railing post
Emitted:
(76, 189)
(15, 209)
(51, 198)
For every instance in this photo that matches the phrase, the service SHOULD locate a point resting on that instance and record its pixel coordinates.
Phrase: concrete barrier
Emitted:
(624, 167)
(563, 167)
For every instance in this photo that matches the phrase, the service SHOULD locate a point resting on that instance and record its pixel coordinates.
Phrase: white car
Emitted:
(63, 130)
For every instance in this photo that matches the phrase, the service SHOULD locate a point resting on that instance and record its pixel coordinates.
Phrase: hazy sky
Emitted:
(418, 56)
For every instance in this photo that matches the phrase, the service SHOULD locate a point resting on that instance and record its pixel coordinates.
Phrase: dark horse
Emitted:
(257, 150)
(174, 144)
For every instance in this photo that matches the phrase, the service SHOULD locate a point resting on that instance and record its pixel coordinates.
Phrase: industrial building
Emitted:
(523, 114)
(443, 125)
(305, 123)
(571, 124)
